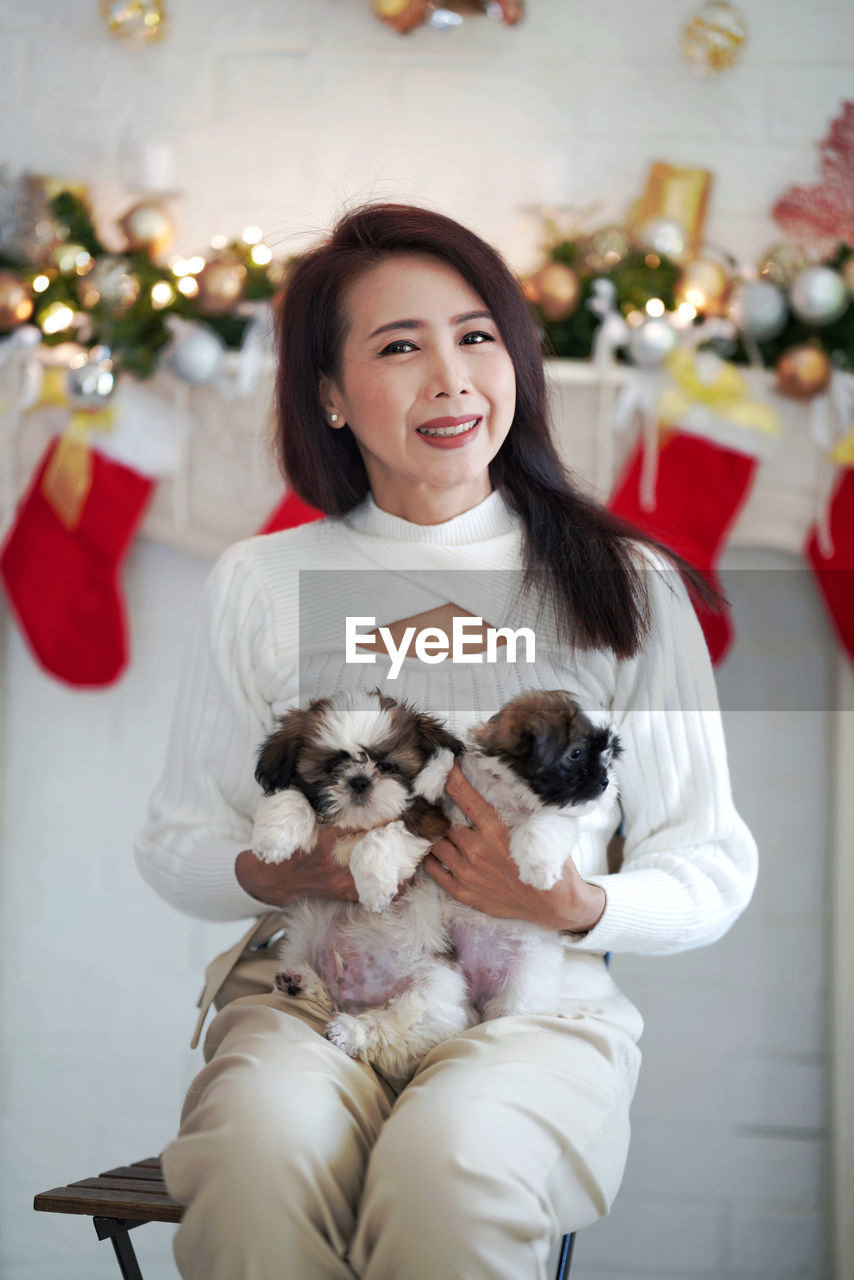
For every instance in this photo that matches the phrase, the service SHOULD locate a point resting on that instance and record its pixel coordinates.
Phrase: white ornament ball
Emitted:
(197, 355)
(664, 236)
(818, 295)
(91, 385)
(652, 342)
(758, 309)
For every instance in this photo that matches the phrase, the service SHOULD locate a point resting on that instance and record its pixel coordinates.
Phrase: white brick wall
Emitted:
(280, 111)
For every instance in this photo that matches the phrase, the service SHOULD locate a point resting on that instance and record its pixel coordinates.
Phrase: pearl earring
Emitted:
(333, 417)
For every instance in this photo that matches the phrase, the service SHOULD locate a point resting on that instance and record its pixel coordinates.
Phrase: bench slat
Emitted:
(132, 1187)
(99, 1201)
(143, 1172)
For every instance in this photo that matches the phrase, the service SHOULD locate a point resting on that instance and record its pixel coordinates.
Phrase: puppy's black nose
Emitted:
(360, 783)
(605, 784)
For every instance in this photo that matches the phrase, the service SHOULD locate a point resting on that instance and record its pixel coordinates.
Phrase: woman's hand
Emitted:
(305, 875)
(473, 864)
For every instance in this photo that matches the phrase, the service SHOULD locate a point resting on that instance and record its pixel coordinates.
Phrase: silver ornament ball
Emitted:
(758, 309)
(652, 341)
(91, 385)
(197, 355)
(818, 295)
(665, 236)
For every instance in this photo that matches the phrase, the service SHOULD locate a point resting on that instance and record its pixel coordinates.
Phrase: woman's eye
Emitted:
(397, 348)
(477, 337)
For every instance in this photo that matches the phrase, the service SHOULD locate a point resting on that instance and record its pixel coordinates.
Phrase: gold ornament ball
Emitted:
(705, 285)
(558, 291)
(221, 283)
(802, 372)
(782, 262)
(16, 304)
(110, 284)
(139, 21)
(714, 37)
(402, 15)
(148, 226)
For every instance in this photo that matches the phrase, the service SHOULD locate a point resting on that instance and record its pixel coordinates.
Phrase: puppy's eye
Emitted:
(575, 753)
(385, 766)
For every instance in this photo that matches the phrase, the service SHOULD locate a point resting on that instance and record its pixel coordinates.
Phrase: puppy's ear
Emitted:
(277, 756)
(435, 737)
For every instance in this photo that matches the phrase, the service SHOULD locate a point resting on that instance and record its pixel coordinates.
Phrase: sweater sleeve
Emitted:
(690, 863)
(202, 810)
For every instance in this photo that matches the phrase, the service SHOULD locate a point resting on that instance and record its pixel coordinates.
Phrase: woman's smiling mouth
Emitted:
(447, 428)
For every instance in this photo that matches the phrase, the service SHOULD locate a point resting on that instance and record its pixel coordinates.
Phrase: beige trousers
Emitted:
(297, 1163)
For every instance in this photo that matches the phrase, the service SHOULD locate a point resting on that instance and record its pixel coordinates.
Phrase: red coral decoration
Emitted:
(823, 215)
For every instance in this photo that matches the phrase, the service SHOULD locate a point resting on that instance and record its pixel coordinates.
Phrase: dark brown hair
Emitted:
(571, 540)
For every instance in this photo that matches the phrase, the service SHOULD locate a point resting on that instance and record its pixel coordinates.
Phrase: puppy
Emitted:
(546, 768)
(379, 969)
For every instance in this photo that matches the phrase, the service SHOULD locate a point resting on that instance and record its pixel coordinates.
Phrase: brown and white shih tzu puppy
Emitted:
(547, 768)
(379, 967)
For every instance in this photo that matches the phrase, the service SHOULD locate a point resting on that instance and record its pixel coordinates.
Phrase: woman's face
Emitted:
(425, 384)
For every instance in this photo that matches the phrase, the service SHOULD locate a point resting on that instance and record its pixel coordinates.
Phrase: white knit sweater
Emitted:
(690, 862)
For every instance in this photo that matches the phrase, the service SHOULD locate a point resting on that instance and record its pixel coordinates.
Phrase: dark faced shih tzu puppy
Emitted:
(546, 767)
(379, 967)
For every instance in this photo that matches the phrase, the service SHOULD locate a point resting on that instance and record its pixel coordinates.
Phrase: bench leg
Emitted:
(116, 1230)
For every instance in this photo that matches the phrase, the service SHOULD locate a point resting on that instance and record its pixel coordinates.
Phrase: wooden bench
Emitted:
(117, 1201)
(121, 1199)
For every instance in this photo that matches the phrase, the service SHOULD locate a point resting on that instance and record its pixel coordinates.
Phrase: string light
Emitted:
(252, 235)
(40, 283)
(56, 318)
(162, 294)
(655, 307)
(189, 286)
(261, 255)
(219, 242)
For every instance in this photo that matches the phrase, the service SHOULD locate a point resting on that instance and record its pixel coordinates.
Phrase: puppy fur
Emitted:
(546, 767)
(379, 969)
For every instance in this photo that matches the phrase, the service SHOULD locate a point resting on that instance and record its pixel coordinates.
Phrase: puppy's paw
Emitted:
(301, 984)
(348, 1033)
(284, 822)
(539, 861)
(290, 982)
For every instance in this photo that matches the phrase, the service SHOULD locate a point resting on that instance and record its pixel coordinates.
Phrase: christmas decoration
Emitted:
(289, 513)
(221, 282)
(139, 21)
(709, 397)
(823, 215)
(781, 263)
(665, 236)
(700, 489)
(758, 309)
(714, 37)
(802, 372)
(606, 247)
(678, 195)
(197, 354)
(705, 286)
(818, 296)
(555, 290)
(148, 226)
(111, 283)
(405, 15)
(16, 304)
(652, 341)
(831, 558)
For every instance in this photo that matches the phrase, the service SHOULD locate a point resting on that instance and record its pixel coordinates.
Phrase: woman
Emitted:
(412, 411)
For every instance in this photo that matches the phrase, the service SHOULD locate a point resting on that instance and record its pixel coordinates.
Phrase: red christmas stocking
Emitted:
(61, 578)
(700, 488)
(833, 564)
(290, 512)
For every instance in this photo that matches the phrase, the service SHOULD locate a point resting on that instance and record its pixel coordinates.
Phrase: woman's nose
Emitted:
(448, 376)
